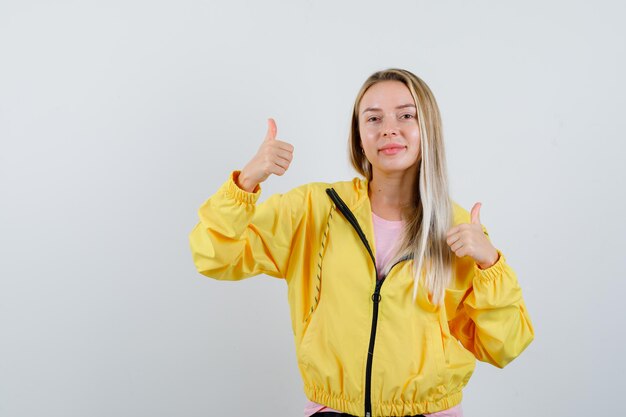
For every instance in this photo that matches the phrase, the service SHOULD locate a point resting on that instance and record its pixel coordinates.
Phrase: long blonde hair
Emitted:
(431, 214)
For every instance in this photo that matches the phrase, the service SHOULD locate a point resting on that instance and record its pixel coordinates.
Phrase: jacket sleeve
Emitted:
(492, 321)
(236, 238)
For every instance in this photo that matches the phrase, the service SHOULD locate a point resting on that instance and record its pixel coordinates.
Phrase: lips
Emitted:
(391, 149)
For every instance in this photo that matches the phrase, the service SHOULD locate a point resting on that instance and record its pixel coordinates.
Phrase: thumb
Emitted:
(271, 130)
(475, 214)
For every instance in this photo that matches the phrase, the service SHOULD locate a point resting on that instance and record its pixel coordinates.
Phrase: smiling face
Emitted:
(389, 130)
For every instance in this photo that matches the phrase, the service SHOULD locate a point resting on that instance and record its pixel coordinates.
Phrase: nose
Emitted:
(389, 127)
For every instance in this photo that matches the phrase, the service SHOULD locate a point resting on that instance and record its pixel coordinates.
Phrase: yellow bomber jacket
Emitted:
(364, 347)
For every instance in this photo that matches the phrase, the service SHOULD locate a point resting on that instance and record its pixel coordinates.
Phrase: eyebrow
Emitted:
(404, 106)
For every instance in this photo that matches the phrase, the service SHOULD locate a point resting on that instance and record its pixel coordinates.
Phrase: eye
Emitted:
(407, 116)
(373, 119)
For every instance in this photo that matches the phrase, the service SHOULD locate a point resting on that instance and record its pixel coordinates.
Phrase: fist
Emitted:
(273, 157)
(468, 239)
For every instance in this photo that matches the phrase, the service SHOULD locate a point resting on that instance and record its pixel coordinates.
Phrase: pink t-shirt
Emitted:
(386, 236)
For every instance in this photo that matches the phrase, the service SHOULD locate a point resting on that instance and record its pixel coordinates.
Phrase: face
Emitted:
(388, 127)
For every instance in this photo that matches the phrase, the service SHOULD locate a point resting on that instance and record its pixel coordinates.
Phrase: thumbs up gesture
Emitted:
(468, 239)
(273, 157)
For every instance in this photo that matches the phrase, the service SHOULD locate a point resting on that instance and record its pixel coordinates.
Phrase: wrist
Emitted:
(245, 183)
(491, 262)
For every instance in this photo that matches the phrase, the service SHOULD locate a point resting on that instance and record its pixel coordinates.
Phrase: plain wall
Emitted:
(119, 118)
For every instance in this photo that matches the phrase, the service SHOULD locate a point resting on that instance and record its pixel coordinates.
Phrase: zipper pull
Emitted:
(376, 296)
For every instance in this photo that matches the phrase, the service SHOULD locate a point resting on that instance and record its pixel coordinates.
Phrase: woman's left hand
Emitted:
(468, 239)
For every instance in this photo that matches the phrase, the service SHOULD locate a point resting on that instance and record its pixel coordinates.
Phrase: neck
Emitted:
(392, 195)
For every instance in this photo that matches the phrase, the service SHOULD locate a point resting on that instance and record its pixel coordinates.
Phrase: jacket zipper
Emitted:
(370, 353)
(375, 297)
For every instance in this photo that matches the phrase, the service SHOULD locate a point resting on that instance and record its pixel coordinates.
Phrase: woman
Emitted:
(386, 275)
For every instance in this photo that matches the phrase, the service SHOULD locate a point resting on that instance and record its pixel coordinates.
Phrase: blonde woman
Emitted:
(385, 274)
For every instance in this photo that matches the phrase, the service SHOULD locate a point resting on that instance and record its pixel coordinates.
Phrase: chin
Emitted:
(395, 169)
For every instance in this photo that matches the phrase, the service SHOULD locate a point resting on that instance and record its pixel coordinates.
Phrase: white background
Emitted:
(119, 118)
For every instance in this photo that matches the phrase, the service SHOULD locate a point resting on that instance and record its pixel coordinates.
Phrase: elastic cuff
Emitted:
(232, 190)
(493, 272)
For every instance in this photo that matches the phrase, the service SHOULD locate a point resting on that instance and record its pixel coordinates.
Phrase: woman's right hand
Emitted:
(273, 157)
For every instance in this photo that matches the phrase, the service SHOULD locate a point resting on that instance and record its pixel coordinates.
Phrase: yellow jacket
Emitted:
(362, 346)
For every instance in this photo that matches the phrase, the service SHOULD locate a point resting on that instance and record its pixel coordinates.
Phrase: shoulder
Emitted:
(351, 191)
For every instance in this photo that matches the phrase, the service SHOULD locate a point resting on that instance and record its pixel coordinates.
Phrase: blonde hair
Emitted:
(431, 214)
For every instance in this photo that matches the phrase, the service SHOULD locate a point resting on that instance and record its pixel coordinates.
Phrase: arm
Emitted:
(236, 238)
(492, 321)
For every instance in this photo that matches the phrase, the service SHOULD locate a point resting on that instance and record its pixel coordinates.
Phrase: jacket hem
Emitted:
(412, 408)
(381, 409)
(339, 403)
